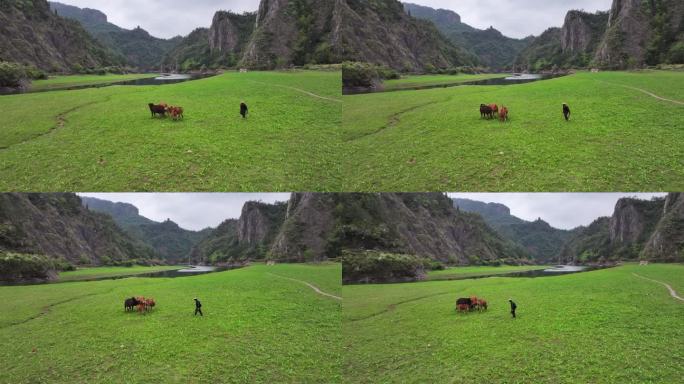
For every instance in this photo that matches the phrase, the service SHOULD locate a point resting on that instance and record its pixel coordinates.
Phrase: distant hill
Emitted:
(491, 47)
(173, 243)
(381, 32)
(538, 238)
(638, 229)
(58, 226)
(33, 35)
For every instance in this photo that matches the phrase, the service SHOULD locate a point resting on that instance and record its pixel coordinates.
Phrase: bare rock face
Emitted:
(581, 31)
(254, 224)
(667, 241)
(627, 223)
(304, 234)
(223, 35)
(627, 35)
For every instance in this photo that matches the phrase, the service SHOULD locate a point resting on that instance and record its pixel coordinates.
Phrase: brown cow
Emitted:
(495, 109)
(503, 114)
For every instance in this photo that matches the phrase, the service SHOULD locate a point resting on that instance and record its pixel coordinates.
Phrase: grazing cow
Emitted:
(495, 109)
(157, 110)
(130, 304)
(566, 112)
(463, 304)
(175, 112)
(485, 111)
(503, 114)
(482, 304)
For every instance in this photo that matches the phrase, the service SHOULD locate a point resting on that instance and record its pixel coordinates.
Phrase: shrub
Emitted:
(12, 75)
(380, 267)
(677, 53)
(16, 267)
(355, 74)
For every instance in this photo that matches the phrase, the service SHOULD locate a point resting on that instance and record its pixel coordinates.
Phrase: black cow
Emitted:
(157, 110)
(129, 304)
(486, 111)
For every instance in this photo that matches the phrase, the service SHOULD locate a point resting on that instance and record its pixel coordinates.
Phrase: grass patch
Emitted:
(59, 82)
(256, 328)
(604, 326)
(618, 138)
(412, 81)
(90, 273)
(104, 139)
(462, 272)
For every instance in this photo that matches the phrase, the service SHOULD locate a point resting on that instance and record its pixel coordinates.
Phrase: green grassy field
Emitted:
(618, 139)
(104, 139)
(58, 82)
(90, 273)
(258, 326)
(463, 272)
(604, 326)
(412, 81)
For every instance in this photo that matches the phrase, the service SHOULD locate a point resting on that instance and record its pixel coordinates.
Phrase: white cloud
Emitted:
(561, 210)
(515, 18)
(164, 19)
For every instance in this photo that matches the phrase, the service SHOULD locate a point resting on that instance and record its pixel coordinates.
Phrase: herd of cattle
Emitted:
(162, 109)
(472, 303)
(141, 304)
(493, 111)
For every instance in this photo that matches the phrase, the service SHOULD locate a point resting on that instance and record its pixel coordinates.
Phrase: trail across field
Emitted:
(304, 91)
(315, 288)
(646, 92)
(673, 293)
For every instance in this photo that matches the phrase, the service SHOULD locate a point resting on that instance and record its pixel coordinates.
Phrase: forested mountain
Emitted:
(492, 48)
(542, 241)
(171, 242)
(33, 35)
(58, 226)
(381, 32)
(137, 46)
(638, 229)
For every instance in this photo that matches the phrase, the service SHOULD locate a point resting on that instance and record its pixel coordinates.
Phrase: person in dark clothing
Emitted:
(244, 110)
(198, 307)
(513, 307)
(566, 112)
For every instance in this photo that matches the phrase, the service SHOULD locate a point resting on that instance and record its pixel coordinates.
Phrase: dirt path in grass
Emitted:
(646, 92)
(315, 288)
(60, 121)
(673, 293)
(393, 306)
(304, 91)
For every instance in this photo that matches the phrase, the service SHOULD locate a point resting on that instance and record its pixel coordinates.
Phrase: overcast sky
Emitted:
(561, 210)
(167, 18)
(516, 18)
(194, 211)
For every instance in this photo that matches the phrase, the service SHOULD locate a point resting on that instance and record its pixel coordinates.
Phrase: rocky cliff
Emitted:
(381, 32)
(638, 229)
(33, 35)
(539, 239)
(642, 32)
(666, 243)
(58, 226)
(490, 46)
(292, 32)
(249, 237)
(582, 32)
(171, 242)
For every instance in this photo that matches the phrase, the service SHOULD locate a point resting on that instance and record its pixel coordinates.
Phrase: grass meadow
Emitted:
(413, 81)
(604, 326)
(104, 139)
(58, 82)
(258, 326)
(619, 138)
(98, 272)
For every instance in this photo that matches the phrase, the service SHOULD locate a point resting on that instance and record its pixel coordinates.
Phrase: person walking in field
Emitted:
(513, 307)
(566, 111)
(244, 110)
(198, 307)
